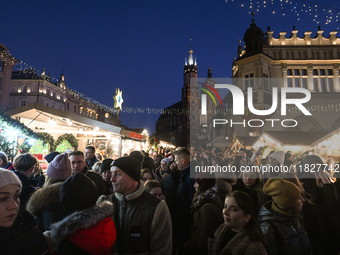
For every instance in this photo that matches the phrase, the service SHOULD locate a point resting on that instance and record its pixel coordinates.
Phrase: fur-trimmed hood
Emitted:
(239, 244)
(80, 220)
(45, 197)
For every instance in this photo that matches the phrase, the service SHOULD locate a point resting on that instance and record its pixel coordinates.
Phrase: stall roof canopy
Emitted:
(247, 140)
(295, 137)
(44, 113)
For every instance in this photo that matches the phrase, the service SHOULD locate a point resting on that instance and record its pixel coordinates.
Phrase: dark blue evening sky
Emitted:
(140, 46)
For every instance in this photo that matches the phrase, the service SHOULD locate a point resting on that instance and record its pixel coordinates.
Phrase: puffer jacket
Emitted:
(45, 205)
(90, 231)
(22, 237)
(285, 234)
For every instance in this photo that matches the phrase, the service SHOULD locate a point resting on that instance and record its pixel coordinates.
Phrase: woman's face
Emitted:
(157, 192)
(9, 204)
(243, 162)
(146, 177)
(163, 165)
(106, 175)
(298, 204)
(197, 187)
(249, 179)
(233, 215)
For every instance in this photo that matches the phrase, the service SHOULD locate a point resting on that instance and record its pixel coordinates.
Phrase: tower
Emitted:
(190, 99)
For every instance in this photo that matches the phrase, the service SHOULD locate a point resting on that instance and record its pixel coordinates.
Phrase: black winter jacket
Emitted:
(22, 237)
(285, 234)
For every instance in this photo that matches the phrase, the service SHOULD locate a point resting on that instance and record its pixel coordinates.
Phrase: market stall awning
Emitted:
(42, 113)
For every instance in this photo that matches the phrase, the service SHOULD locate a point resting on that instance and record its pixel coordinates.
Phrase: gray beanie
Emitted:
(8, 177)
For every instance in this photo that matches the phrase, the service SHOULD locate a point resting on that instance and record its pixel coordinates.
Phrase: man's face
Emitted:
(180, 162)
(121, 182)
(89, 154)
(78, 163)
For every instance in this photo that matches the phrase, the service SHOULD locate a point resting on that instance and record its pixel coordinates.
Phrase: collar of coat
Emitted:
(80, 220)
(235, 246)
(132, 196)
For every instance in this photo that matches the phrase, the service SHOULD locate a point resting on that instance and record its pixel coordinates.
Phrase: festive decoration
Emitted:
(68, 137)
(118, 99)
(318, 13)
(39, 147)
(63, 146)
(48, 139)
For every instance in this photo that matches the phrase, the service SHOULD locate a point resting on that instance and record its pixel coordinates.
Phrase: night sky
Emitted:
(140, 46)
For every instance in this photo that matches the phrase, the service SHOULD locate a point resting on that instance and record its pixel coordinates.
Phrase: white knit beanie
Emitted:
(8, 177)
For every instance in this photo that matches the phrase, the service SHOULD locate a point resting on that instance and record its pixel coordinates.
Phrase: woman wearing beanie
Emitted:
(18, 233)
(240, 233)
(45, 204)
(88, 228)
(280, 219)
(206, 214)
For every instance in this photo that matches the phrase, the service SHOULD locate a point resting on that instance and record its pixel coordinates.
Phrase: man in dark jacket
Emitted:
(143, 221)
(79, 166)
(90, 156)
(24, 166)
(185, 194)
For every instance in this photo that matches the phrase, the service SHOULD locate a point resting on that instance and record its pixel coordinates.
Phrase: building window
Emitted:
(315, 84)
(324, 78)
(75, 108)
(297, 78)
(1, 65)
(304, 83)
(47, 103)
(290, 82)
(330, 85)
(0, 99)
(68, 105)
(22, 103)
(249, 80)
(24, 89)
(0, 82)
(265, 81)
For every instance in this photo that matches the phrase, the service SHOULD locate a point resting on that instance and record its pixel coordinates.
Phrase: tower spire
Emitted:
(191, 58)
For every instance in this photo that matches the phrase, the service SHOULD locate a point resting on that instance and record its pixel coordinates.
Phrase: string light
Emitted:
(319, 13)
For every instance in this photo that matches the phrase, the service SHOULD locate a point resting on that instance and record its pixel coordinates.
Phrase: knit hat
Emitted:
(279, 156)
(129, 165)
(78, 193)
(167, 160)
(283, 193)
(205, 180)
(311, 159)
(106, 165)
(137, 155)
(60, 167)
(148, 163)
(49, 157)
(8, 177)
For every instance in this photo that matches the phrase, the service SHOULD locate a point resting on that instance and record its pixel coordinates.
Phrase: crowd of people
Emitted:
(156, 203)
